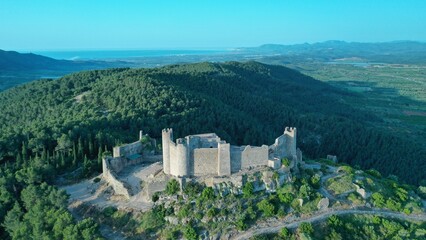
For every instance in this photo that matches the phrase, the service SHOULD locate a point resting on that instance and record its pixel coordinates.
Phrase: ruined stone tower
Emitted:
(179, 153)
(290, 144)
(167, 138)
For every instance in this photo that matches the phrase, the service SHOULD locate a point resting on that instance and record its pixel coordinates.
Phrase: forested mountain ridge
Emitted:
(245, 103)
(11, 60)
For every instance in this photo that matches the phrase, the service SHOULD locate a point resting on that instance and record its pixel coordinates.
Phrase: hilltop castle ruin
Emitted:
(207, 154)
(194, 156)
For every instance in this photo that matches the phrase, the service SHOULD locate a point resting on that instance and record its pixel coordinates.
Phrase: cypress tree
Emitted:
(80, 147)
(24, 152)
(91, 150)
(100, 157)
(18, 160)
(74, 155)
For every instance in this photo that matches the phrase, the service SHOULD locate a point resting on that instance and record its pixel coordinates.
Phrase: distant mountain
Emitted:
(17, 68)
(11, 60)
(387, 52)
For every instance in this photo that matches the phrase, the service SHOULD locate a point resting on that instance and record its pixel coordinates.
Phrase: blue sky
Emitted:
(203, 24)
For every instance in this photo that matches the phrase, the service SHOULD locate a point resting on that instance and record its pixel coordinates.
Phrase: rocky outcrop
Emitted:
(323, 204)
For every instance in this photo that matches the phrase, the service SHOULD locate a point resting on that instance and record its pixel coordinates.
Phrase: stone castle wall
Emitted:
(110, 176)
(248, 156)
(128, 149)
(224, 159)
(254, 156)
(124, 156)
(205, 161)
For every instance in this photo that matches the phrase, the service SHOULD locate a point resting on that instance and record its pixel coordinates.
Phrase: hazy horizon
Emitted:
(194, 48)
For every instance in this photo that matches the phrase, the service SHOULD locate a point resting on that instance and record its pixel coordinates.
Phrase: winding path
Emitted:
(323, 215)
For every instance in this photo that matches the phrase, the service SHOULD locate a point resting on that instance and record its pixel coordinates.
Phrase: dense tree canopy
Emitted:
(50, 127)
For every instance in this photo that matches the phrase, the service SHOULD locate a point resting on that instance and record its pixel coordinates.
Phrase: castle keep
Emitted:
(207, 154)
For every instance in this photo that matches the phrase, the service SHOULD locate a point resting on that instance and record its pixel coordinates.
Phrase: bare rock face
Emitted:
(361, 191)
(300, 202)
(172, 220)
(323, 204)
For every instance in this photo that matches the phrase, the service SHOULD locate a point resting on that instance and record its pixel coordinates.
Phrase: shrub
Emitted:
(347, 169)
(275, 175)
(376, 219)
(406, 211)
(285, 162)
(334, 221)
(251, 213)
(306, 227)
(393, 205)
(285, 197)
(378, 199)
(248, 189)
(190, 233)
(170, 234)
(192, 189)
(109, 211)
(96, 180)
(172, 187)
(266, 207)
(155, 197)
(208, 193)
(295, 204)
(402, 194)
(304, 191)
(284, 233)
(315, 181)
(152, 220)
(145, 139)
(184, 211)
(241, 223)
(374, 173)
(212, 212)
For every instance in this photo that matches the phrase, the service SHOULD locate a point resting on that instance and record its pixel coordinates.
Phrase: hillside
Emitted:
(251, 102)
(11, 60)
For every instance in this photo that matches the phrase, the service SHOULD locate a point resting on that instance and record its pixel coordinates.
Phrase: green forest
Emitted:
(52, 127)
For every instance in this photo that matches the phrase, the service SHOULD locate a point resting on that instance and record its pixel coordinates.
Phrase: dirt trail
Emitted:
(323, 215)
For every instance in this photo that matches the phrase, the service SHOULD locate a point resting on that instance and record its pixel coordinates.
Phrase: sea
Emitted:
(122, 54)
